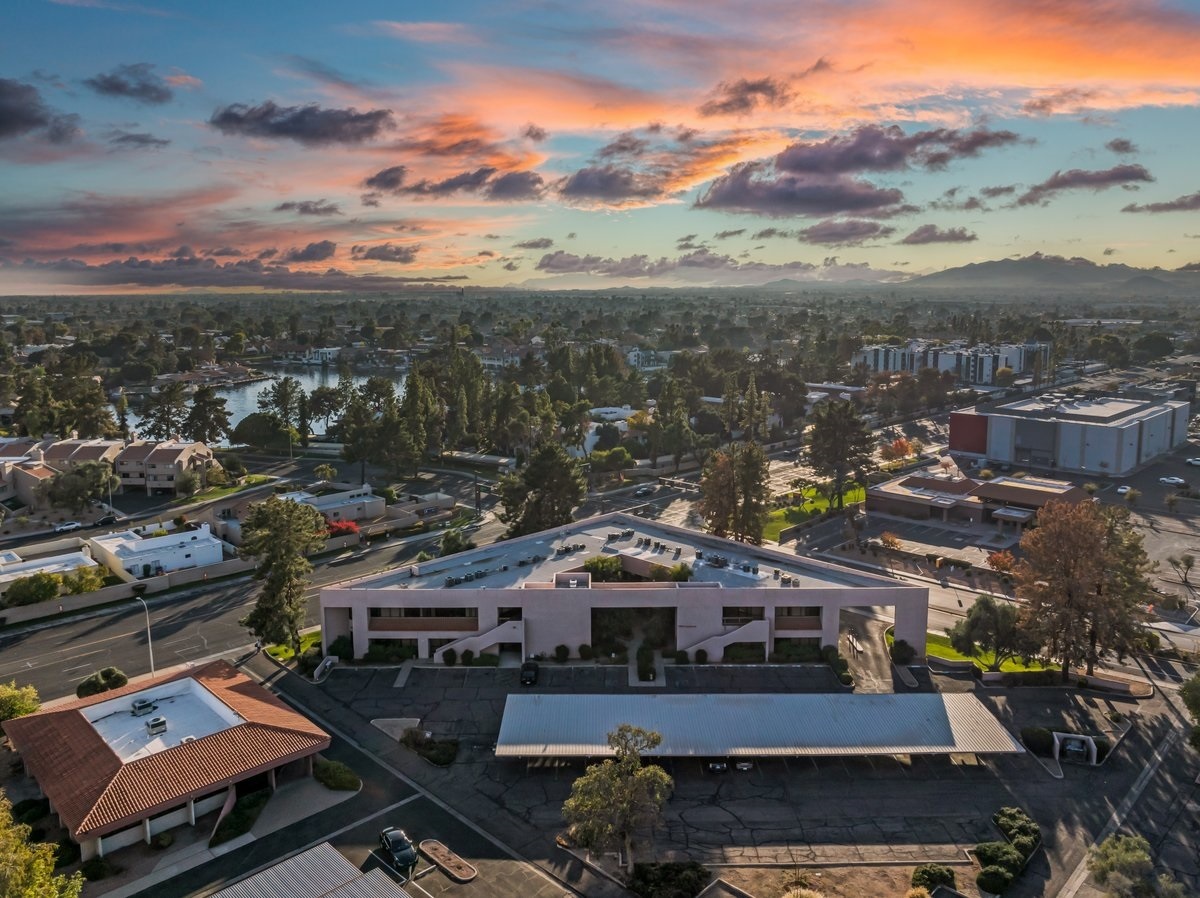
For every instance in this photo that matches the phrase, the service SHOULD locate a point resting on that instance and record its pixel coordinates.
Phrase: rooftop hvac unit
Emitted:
(186, 739)
(142, 707)
(156, 726)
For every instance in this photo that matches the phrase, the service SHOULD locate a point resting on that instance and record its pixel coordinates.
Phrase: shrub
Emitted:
(101, 681)
(341, 528)
(681, 657)
(487, 659)
(30, 809)
(307, 662)
(1024, 844)
(342, 648)
(917, 893)
(449, 657)
(1031, 678)
(670, 880)
(1103, 747)
(586, 652)
(336, 775)
(162, 841)
(1015, 823)
(845, 678)
(1121, 858)
(238, 821)
(993, 879)
(902, 652)
(65, 853)
(561, 653)
(441, 754)
(930, 876)
(468, 657)
(1000, 854)
(1038, 740)
(97, 868)
(701, 656)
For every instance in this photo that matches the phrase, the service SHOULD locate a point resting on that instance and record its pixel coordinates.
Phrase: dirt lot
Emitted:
(842, 882)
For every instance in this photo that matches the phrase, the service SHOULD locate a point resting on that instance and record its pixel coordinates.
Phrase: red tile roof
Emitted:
(95, 793)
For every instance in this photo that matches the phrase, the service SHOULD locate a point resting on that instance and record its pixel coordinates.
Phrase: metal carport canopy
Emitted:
(754, 726)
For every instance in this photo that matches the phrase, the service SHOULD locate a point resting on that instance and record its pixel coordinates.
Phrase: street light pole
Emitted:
(149, 644)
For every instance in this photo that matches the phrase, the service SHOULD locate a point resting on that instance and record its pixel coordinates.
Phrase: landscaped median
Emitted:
(812, 503)
(938, 647)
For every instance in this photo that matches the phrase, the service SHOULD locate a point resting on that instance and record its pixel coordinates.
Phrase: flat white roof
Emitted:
(127, 544)
(754, 726)
(189, 709)
(537, 559)
(55, 564)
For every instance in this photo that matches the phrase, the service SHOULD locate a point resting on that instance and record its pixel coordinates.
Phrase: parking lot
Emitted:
(881, 810)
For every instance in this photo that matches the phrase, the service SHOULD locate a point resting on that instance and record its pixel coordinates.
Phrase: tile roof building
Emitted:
(117, 772)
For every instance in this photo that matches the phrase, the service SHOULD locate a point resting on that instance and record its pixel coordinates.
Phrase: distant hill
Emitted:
(1042, 272)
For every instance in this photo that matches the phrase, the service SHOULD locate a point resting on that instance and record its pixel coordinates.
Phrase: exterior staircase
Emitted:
(754, 631)
(509, 631)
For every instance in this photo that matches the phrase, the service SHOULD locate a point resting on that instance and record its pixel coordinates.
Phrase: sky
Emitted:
(178, 146)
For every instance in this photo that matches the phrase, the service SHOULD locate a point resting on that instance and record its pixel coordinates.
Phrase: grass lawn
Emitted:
(219, 492)
(938, 646)
(284, 652)
(815, 503)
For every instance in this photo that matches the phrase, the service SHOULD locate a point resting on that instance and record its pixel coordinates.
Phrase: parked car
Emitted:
(717, 766)
(68, 526)
(106, 520)
(1173, 481)
(529, 673)
(1193, 461)
(398, 848)
(1123, 489)
(644, 491)
(744, 766)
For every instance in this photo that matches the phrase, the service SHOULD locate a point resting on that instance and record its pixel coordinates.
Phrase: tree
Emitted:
(1132, 496)
(40, 587)
(208, 419)
(719, 493)
(1182, 566)
(85, 578)
(27, 868)
(543, 493)
(454, 541)
(261, 430)
(81, 485)
(1084, 578)
(17, 701)
(1002, 562)
(281, 534)
(839, 444)
(325, 472)
(616, 798)
(283, 400)
(357, 430)
(164, 412)
(990, 628)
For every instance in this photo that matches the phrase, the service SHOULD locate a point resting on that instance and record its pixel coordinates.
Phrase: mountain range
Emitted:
(1044, 272)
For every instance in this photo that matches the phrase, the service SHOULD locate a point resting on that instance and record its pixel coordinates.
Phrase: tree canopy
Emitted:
(990, 628)
(616, 798)
(1084, 578)
(281, 534)
(839, 444)
(27, 868)
(543, 493)
(17, 701)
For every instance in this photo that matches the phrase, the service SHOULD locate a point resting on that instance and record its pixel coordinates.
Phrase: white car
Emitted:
(68, 526)
(1193, 461)
(644, 491)
(1173, 481)
(1123, 489)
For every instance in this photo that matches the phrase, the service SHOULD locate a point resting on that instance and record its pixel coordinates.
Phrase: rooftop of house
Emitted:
(950, 487)
(55, 564)
(127, 543)
(541, 559)
(100, 776)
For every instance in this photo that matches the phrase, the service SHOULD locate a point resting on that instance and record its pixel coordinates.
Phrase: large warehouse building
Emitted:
(532, 594)
(1102, 435)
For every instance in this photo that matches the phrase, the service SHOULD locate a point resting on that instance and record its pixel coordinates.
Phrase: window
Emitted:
(424, 612)
(188, 555)
(740, 614)
(798, 611)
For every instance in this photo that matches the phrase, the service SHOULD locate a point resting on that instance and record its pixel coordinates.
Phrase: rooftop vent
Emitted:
(156, 726)
(186, 739)
(142, 707)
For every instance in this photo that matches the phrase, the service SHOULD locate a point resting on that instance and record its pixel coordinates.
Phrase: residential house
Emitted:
(156, 555)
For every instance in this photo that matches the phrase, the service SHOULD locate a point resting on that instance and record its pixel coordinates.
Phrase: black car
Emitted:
(529, 673)
(106, 520)
(398, 848)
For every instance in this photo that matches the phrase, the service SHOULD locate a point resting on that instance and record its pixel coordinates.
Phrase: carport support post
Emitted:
(146, 829)
(271, 778)
(192, 811)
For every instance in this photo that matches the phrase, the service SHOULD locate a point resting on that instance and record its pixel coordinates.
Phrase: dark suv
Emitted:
(529, 673)
(398, 848)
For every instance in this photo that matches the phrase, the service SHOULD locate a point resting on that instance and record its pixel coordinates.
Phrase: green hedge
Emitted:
(930, 876)
(1038, 740)
(336, 775)
(1000, 854)
(994, 879)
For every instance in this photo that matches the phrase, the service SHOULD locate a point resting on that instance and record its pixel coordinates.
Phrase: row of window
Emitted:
(424, 612)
